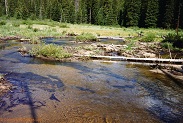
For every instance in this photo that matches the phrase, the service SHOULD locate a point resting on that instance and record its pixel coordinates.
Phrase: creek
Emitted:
(91, 91)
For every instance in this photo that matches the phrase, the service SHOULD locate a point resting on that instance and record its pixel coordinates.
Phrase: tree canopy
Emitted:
(139, 13)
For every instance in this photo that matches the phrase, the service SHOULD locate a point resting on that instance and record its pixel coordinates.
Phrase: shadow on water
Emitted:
(53, 97)
(162, 104)
(31, 104)
(159, 105)
(124, 87)
(22, 94)
(85, 89)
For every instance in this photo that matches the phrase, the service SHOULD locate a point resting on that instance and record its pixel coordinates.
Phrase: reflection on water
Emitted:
(71, 41)
(92, 91)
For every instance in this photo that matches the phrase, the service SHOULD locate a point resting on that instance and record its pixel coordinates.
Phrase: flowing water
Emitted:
(85, 92)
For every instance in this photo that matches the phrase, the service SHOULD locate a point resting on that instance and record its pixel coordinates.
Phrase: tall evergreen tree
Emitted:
(132, 12)
(143, 13)
(55, 12)
(72, 14)
(2, 7)
(108, 11)
(162, 10)
(100, 17)
(169, 14)
(152, 13)
(82, 13)
(12, 7)
(94, 11)
(21, 10)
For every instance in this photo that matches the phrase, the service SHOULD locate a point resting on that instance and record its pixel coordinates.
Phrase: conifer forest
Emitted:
(127, 13)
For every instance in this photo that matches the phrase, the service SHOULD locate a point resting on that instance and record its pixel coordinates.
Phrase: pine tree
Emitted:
(152, 13)
(95, 9)
(100, 17)
(161, 14)
(83, 12)
(55, 12)
(143, 13)
(72, 14)
(12, 7)
(110, 18)
(65, 11)
(132, 12)
(169, 14)
(79, 16)
(2, 7)
(21, 10)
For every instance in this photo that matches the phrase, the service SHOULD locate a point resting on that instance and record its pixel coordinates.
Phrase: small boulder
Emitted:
(149, 55)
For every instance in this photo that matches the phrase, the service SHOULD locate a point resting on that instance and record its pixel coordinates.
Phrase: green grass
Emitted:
(86, 37)
(33, 29)
(150, 37)
(50, 51)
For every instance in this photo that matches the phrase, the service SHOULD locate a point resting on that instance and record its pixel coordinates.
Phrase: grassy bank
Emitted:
(50, 51)
(38, 28)
(33, 29)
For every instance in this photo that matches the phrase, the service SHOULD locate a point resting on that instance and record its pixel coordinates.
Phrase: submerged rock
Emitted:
(5, 86)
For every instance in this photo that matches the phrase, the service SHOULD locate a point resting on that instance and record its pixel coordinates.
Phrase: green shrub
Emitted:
(27, 22)
(63, 25)
(149, 37)
(16, 24)
(86, 37)
(64, 32)
(35, 29)
(130, 45)
(2, 23)
(50, 51)
(176, 40)
(29, 27)
(71, 34)
(167, 45)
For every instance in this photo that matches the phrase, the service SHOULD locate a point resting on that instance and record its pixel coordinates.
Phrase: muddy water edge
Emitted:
(91, 91)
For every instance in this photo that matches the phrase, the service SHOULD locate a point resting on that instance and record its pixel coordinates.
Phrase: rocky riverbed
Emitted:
(134, 50)
(5, 86)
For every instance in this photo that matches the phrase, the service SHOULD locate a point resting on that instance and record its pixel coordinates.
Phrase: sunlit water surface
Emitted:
(86, 92)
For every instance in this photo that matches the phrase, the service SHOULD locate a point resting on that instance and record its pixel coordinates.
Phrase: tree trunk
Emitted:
(6, 7)
(76, 5)
(178, 21)
(90, 15)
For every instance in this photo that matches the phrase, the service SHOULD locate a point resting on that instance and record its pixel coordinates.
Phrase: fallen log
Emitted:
(179, 79)
(121, 58)
(109, 37)
(9, 38)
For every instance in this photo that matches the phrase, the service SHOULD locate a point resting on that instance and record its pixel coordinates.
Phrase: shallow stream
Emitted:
(85, 92)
